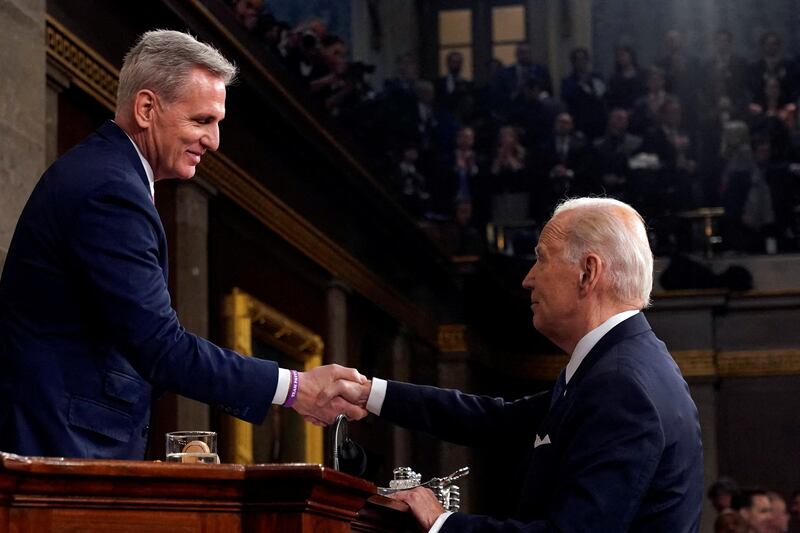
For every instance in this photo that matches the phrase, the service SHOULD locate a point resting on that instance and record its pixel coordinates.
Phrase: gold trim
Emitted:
(452, 338)
(693, 364)
(752, 363)
(243, 314)
(99, 79)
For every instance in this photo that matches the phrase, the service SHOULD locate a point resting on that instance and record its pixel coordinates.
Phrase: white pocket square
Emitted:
(540, 441)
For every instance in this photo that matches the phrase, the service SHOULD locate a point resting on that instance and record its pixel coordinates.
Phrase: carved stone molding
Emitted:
(752, 363)
(89, 70)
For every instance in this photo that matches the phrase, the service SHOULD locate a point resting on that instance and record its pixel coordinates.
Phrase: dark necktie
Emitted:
(559, 387)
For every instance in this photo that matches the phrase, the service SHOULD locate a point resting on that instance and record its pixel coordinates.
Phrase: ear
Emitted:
(144, 104)
(591, 267)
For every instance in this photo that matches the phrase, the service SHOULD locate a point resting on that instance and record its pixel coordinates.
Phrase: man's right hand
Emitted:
(317, 380)
(346, 392)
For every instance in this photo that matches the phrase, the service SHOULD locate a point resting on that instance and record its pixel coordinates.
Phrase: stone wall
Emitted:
(22, 108)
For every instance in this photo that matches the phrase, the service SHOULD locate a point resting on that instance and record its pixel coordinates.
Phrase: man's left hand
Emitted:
(423, 503)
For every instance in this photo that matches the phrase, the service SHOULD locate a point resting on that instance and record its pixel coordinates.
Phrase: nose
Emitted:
(210, 139)
(527, 282)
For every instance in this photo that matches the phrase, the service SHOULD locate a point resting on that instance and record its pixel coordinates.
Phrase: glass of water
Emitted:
(192, 447)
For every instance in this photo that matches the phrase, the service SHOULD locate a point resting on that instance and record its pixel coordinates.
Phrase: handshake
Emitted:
(327, 391)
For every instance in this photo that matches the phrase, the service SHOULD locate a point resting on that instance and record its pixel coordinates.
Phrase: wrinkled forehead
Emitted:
(555, 231)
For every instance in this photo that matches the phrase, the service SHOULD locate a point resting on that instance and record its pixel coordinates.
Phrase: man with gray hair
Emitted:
(87, 331)
(616, 445)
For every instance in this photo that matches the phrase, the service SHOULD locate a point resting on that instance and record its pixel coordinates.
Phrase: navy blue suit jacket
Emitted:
(87, 331)
(624, 451)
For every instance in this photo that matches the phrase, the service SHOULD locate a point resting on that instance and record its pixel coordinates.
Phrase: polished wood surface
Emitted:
(41, 495)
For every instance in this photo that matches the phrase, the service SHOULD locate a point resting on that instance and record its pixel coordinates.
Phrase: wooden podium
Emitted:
(42, 495)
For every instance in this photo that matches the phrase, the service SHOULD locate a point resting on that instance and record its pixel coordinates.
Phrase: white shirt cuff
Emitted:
(282, 390)
(376, 396)
(440, 522)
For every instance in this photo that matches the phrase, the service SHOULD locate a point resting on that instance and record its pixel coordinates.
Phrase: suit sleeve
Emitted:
(614, 442)
(465, 419)
(114, 245)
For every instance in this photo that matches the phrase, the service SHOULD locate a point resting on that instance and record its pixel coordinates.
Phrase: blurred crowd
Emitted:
(697, 129)
(752, 510)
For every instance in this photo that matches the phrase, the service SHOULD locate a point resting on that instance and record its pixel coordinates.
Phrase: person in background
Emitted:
(779, 521)
(754, 506)
(584, 92)
(721, 493)
(452, 87)
(627, 83)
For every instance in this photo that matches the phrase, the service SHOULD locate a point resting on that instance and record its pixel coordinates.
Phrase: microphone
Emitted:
(348, 456)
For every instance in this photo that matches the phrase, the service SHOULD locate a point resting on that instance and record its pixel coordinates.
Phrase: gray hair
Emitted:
(162, 60)
(616, 232)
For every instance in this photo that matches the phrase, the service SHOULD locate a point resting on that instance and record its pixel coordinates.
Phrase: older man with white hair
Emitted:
(616, 445)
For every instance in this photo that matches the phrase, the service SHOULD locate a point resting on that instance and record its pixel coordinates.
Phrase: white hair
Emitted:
(616, 232)
(162, 60)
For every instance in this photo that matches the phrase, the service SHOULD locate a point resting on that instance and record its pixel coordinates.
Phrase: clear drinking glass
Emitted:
(192, 447)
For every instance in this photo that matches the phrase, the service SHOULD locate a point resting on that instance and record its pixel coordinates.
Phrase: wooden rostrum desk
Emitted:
(42, 495)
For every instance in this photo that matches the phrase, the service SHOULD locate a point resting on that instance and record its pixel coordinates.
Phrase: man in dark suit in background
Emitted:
(616, 445)
(87, 332)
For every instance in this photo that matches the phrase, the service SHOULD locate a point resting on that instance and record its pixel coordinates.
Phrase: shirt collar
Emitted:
(589, 340)
(147, 168)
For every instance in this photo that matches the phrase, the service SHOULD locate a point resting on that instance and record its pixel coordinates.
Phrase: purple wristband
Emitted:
(294, 385)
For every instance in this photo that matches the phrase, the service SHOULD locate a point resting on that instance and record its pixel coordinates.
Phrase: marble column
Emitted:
(336, 309)
(190, 263)
(22, 108)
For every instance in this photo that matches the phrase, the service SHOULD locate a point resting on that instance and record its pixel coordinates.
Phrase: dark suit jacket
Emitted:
(87, 332)
(624, 451)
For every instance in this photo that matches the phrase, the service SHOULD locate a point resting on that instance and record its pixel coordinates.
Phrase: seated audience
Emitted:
(650, 151)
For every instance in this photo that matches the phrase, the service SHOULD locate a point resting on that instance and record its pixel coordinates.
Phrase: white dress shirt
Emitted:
(378, 393)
